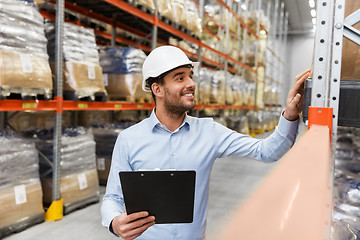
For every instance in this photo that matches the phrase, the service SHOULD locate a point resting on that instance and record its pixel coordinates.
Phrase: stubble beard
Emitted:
(174, 106)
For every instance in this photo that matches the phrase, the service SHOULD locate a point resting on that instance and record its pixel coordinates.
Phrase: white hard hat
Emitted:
(161, 60)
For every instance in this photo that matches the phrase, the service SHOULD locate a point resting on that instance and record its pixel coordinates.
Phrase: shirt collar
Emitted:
(154, 121)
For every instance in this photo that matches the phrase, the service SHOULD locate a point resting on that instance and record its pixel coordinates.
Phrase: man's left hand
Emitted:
(295, 97)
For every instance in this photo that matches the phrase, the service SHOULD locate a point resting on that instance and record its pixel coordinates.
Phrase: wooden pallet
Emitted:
(81, 204)
(21, 225)
(23, 93)
(96, 97)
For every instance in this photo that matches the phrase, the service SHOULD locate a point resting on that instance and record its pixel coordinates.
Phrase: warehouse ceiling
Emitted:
(300, 19)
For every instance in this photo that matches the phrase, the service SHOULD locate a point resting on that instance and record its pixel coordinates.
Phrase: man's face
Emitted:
(179, 90)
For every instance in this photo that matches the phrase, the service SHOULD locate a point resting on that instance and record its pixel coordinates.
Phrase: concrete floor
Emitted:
(231, 182)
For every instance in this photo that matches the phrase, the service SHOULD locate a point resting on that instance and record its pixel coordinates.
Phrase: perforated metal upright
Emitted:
(327, 58)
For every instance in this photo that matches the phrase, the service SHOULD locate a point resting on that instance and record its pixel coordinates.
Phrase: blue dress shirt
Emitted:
(193, 146)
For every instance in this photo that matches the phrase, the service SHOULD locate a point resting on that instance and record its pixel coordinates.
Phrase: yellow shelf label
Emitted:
(117, 106)
(29, 105)
(82, 105)
(140, 106)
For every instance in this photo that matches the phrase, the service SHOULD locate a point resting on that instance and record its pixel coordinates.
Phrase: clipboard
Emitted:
(167, 195)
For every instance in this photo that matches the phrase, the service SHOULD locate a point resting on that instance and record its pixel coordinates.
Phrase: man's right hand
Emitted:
(131, 226)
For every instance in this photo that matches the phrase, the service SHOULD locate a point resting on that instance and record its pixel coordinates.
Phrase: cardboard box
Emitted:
(20, 203)
(24, 71)
(84, 79)
(350, 66)
(126, 87)
(103, 164)
(74, 187)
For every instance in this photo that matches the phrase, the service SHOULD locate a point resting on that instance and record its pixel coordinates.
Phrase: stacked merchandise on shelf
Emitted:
(24, 66)
(20, 188)
(82, 72)
(79, 183)
(346, 213)
(105, 136)
(122, 73)
(182, 13)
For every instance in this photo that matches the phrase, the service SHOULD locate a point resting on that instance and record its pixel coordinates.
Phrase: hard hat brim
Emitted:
(147, 89)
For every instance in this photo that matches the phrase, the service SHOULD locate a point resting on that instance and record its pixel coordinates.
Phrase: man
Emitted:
(170, 139)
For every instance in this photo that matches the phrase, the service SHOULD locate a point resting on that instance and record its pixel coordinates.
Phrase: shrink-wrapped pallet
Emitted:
(193, 20)
(122, 73)
(20, 188)
(204, 85)
(82, 71)
(165, 9)
(79, 184)
(217, 88)
(105, 136)
(24, 67)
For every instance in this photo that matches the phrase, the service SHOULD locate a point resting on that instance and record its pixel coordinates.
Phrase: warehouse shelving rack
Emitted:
(159, 30)
(308, 184)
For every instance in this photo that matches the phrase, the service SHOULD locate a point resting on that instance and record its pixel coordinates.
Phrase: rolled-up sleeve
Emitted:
(268, 149)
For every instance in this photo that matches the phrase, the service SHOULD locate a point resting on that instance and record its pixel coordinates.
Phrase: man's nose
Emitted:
(190, 83)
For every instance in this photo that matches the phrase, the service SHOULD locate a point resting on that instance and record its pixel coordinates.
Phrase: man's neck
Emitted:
(171, 121)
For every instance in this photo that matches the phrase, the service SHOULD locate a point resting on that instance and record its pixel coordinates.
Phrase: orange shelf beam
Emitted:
(31, 105)
(52, 105)
(82, 105)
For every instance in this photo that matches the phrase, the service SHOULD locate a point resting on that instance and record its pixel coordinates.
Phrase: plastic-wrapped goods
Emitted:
(350, 67)
(347, 153)
(24, 67)
(79, 43)
(105, 136)
(347, 190)
(22, 28)
(121, 60)
(204, 85)
(180, 15)
(20, 188)
(165, 9)
(217, 88)
(77, 149)
(122, 73)
(19, 161)
(193, 18)
(346, 229)
(79, 180)
(82, 71)
(212, 16)
(148, 4)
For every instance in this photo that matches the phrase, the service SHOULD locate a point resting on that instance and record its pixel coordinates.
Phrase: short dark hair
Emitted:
(160, 79)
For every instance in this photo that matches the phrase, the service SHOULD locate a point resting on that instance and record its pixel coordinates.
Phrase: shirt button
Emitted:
(173, 154)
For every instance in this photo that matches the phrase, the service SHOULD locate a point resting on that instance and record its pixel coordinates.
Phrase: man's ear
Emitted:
(157, 89)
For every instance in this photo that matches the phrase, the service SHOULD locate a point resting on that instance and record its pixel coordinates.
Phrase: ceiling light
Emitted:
(312, 3)
(243, 6)
(313, 13)
(314, 21)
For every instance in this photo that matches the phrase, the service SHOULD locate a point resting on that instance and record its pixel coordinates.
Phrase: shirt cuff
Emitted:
(111, 229)
(286, 127)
